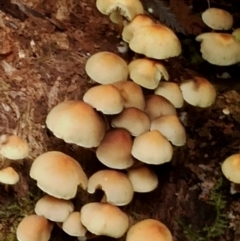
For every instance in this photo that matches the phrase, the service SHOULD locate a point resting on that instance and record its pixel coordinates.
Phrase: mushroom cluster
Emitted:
(219, 48)
(126, 128)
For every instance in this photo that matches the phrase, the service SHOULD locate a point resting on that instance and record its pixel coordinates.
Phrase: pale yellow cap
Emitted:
(58, 174)
(116, 185)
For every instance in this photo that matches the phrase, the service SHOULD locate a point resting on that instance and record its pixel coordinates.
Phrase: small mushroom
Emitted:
(170, 91)
(231, 170)
(53, 209)
(139, 21)
(115, 149)
(9, 176)
(34, 228)
(147, 73)
(170, 127)
(106, 68)
(104, 219)
(221, 49)
(73, 225)
(149, 229)
(132, 119)
(131, 93)
(116, 186)
(217, 19)
(143, 178)
(152, 148)
(155, 41)
(12, 147)
(76, 122)
(126, 8)
(157, 105)
(198, 91)
(105, 98)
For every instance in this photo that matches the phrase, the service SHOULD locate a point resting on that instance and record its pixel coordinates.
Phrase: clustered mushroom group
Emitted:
(219, 48)
(126, 128)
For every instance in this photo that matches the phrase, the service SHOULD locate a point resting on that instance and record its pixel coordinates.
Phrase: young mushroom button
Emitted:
(106, 68)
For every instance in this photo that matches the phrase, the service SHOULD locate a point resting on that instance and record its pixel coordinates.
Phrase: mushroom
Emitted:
(170, 91)
(115, 149)
(13, 147)
(76, 122)
(9, 176)
(34, 228)
(157, 105)
(142, 178)
(198, 91)
(147, 73)
(132, 119)
(53, 209)
(106, 68)
(117, 187)
(221, 49)
(104, 219)
(231, 169)
(126, 8)
(73, 225)
(236, 33)
(139, 21)
(149, 229)
(170, 127)
(58, 174)
(105, 98)
(217, 19)
(131, 93)
(155, 41)
(152, 148)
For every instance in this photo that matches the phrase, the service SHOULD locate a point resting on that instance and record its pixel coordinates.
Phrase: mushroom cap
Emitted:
(132, 119)
(73, 225)
(170, 127)
(152, 148)
(147, 73)
(9, 176)
(13, 147)
(217, 19)
(104, 219)
(76, 122)
(105, 98)
(155, 41)
(127, 8)
(131, 93)
(170, 91)
(149, 229)
(143, 179)
(236, 33)
(34, 228)
(157, 105)
(219, 48)
(53, 209)
(231, 168)
(58, 174)
(116, 185)
(139, 21)
(115, 149)
(198, 91)
(106, 68)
